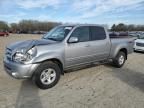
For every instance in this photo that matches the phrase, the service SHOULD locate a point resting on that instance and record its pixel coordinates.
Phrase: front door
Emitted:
(78, 53)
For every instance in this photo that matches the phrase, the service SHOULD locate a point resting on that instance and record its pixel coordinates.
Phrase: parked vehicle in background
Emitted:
(4, 33)
(139, 43)
(133, 35)
(118, 34)
(136, 34)
(123, 34)
(31, 32)
(113, 34)
(64, 47)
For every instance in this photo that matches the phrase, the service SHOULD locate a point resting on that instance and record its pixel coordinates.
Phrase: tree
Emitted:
(34, 25)
(121, 27)
(124, 27)
(131, 27)
(14, 27)
(4, 26)
(113, 28)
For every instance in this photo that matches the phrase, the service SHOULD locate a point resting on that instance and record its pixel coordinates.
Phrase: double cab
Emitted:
(62, 48)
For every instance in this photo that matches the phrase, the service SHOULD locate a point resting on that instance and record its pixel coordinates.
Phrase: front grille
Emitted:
(9, 54)
(140, 44)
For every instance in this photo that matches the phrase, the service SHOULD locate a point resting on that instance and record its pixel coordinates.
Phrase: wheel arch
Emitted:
(57, 61)
(124, 50)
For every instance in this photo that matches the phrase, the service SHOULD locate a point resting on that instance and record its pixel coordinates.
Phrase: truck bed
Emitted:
(121, 42)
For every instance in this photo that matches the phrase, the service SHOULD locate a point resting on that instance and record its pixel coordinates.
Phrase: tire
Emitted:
(47, 75)
(119, 60)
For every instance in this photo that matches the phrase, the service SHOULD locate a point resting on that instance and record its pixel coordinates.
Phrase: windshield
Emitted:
(58, 33)
(141, 37)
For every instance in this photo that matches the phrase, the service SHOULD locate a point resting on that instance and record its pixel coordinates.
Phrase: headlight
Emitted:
(21, 56)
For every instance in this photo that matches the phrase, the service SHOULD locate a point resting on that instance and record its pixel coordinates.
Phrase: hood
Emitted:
(29, 44)
(139, 40)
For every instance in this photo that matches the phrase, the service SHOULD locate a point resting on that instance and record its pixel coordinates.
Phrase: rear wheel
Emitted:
(119, 60)
(47, 75)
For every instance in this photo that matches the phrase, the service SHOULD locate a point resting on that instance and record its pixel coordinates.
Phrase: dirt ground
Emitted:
(101, 86)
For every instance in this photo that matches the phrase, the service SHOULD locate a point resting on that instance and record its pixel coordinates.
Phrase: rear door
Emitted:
(99, 43)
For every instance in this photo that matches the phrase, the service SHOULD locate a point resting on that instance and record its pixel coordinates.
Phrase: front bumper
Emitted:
(18, 70)
(138, 48)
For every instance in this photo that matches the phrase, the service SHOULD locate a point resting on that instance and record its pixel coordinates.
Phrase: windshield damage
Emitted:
(58, 33)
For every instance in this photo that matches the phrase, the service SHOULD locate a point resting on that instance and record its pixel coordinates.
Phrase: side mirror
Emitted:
(73, 40)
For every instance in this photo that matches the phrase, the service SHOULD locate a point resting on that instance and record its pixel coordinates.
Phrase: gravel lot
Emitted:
(101, 86)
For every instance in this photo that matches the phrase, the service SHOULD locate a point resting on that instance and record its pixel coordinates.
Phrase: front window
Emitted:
(58, 33)
(82, 33)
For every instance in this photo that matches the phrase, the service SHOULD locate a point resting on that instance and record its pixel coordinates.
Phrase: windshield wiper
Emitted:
(51, 39)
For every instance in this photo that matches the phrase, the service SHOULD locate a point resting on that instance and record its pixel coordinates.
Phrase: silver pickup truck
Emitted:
(64, 47)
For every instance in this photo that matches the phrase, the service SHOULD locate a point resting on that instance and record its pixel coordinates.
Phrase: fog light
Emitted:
(14, 74)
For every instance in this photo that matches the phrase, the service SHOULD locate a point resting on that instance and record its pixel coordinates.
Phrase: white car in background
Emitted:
(139, 44)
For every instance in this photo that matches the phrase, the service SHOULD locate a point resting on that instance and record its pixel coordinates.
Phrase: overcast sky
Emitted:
(75, 11)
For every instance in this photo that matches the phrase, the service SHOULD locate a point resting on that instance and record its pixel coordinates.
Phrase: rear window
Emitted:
(97, 33)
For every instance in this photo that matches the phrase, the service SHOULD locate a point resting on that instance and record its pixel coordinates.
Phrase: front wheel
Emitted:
(120, 59)
(47, 75)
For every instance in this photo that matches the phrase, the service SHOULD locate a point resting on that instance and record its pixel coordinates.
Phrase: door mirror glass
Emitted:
(73, 40)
